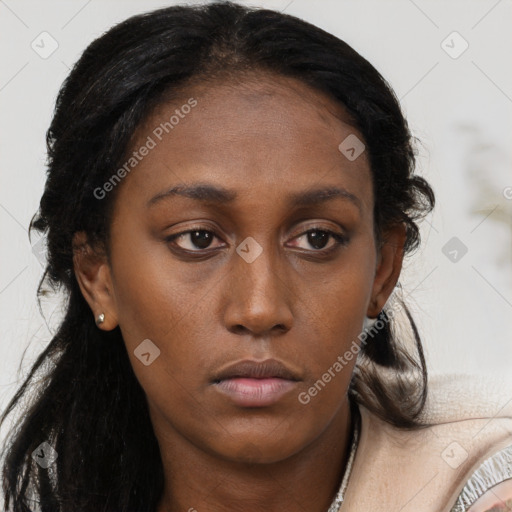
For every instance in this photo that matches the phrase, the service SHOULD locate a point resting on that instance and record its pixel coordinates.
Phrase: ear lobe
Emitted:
(92, 273)
(389, 266)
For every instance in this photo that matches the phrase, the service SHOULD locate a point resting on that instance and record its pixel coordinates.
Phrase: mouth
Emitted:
(255, 384)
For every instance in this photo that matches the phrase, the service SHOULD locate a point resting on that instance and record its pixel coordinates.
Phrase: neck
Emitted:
(197, 481)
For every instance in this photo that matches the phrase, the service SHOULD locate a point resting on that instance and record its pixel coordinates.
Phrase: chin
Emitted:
(263, 449)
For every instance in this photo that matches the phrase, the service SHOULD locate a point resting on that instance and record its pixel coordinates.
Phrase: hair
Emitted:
(85, 400)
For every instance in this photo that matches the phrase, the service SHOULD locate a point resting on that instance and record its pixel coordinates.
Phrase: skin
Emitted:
(264, 137)
(498, 498)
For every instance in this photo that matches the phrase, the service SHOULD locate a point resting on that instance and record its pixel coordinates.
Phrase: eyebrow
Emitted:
(215, 194)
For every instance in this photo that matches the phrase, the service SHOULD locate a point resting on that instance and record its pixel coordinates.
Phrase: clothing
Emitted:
(442, 468)
(354, 443)
(493, 471)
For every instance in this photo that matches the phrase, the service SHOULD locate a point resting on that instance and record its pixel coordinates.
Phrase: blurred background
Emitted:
(449, 64)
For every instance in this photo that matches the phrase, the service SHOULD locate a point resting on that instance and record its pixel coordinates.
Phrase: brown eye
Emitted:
(193, 240)
(319, 238)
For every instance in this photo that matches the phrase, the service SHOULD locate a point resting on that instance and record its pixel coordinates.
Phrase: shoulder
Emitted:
(459, 397)
(490, 486)
(477, 412)
(470, 421)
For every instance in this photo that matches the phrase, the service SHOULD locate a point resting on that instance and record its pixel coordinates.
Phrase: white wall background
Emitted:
(461, 109)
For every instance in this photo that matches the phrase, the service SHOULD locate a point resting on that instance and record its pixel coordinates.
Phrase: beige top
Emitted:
(441, 468)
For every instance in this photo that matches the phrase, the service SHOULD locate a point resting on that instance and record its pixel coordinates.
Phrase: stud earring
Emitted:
(100, 318)
(368, 323)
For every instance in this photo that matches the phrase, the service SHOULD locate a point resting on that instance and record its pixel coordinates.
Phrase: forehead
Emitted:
(263, 130)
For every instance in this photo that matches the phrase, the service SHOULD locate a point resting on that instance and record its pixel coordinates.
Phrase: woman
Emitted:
(230, 196)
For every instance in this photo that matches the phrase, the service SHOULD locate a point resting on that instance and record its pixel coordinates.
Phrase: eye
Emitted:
(199, 239)
(195, 240)
(318, 238)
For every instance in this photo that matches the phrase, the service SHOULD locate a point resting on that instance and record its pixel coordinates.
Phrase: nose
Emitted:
(258, 296)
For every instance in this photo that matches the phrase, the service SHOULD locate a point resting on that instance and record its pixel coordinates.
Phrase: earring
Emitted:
(368, 323)
(100, 319)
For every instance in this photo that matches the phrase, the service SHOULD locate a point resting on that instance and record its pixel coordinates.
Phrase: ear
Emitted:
(389, 266)
(92, 272)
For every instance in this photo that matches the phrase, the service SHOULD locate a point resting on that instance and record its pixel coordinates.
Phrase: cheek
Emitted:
(155, 302)
(166, 315)
(337, 309)
(339, 305)
(150, 294)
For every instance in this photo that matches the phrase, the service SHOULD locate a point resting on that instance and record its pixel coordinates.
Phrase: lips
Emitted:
(255, 384)
(270, 368)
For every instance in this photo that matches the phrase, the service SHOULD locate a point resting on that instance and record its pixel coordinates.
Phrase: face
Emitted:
(273, 257)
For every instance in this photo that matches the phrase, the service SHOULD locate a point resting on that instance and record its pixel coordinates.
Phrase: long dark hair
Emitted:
(83, 397)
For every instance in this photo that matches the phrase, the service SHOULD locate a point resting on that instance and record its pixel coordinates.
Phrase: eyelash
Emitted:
(340, 240)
